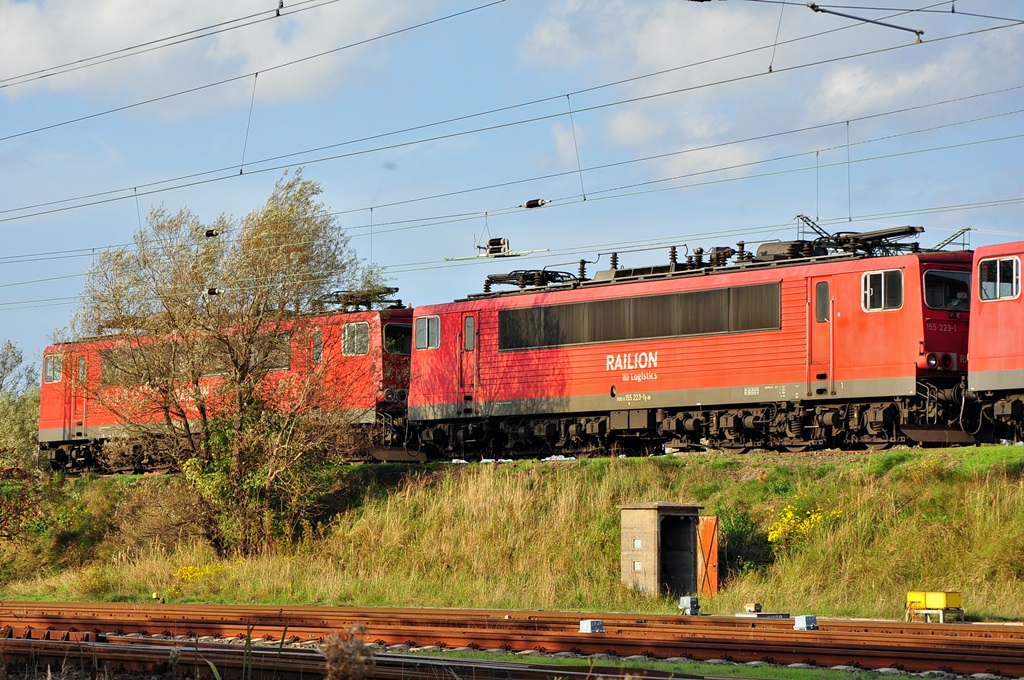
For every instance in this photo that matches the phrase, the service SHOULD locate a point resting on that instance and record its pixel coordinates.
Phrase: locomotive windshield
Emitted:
(947, 290)
(398, 338)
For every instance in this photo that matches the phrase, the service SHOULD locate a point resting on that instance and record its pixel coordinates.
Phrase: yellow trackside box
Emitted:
(933, 600)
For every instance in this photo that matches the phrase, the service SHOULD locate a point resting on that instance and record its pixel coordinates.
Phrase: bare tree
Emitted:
(199, 318)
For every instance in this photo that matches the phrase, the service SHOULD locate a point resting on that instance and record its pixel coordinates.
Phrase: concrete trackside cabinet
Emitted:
(659, 547)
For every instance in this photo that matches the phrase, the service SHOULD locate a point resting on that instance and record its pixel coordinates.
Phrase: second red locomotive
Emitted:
(361, 359)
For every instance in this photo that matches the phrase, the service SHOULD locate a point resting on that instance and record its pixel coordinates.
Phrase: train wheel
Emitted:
(735, 449)
(797, 448)
(877, 446)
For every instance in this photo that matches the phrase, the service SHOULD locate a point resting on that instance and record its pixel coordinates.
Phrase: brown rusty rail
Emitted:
(205, 660)
(961, 648)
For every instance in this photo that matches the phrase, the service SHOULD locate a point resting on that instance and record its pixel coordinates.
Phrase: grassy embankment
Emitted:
(854, 533)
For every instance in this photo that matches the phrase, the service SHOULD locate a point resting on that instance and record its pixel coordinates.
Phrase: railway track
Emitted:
(222, 661)
(955, 648)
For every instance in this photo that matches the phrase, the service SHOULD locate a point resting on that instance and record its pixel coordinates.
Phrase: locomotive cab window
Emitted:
(428, 332)
(821, 302)
(398, 338)
(947, 290)
(999, 278)
(355, 339)
(882, 290)
(52, 368)
(469, 332)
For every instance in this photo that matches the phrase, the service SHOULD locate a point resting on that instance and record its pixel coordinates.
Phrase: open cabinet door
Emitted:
(707, 556)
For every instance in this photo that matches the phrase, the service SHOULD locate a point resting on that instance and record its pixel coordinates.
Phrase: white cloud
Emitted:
(632, 127)
(566, 142)
(855, 90)
(849, 91)
(620, 38)
(590, 42)
(602, 41)
(41, 35)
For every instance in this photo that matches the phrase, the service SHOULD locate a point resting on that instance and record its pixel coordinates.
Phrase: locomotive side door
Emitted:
(77, 381)
(820, 336)
(467, 354)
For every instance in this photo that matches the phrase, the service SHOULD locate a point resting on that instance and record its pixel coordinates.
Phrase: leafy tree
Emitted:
(19, 423)
(19, 409)
(15, 375)
(229, 300)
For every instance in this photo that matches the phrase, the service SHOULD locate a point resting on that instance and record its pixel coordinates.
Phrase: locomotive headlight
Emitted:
(933, 361)
(947, 361)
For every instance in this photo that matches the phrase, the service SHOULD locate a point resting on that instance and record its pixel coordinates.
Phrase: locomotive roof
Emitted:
(722, 260)
(320, 314)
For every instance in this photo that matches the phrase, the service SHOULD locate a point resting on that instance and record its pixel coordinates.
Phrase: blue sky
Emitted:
(679, 134)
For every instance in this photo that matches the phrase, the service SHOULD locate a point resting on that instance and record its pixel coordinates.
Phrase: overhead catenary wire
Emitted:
(462, 217)
(158, 43)
(628, 161)
(443, 122)
(566, 201)
(707, 147)
(245, 76)
(621, 190)
(228, 173)
(927, 9)
(645, 244)
(404, 268)
(818, 8)
(395, 267)
(738, 166)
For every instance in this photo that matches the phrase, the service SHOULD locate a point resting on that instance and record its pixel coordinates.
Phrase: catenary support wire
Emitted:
(248, 122)
(576, 146)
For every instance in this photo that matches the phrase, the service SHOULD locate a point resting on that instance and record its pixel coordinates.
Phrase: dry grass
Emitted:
(546, 536)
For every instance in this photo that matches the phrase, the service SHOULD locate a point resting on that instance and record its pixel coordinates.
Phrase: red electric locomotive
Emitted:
(996, 376)
(849, 340)
(85, 400)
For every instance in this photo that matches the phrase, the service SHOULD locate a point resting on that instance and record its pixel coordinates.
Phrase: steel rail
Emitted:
(207, 660)
(965, 648)
(326, 617)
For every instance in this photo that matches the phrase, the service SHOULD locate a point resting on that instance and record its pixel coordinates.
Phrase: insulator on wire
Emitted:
(214, 291)
(210, 233)
(497, 246)
(535, 203)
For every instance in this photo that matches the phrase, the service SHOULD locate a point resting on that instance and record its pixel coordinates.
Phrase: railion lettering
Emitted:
(631, 361)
